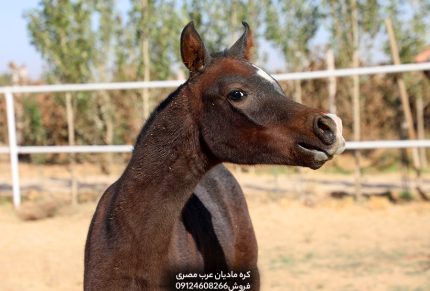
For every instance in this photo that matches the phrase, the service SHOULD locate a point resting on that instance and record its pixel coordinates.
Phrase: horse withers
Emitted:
(176, 209)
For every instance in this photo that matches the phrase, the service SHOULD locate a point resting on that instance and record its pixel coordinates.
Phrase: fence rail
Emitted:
(14, 149)
(390, 69)
(350, 145)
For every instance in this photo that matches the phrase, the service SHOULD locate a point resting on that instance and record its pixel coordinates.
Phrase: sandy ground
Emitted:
(336, 246)
(327, 245)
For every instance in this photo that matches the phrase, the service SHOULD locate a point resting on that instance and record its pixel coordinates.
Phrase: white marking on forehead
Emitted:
(269, 78)
(264, 75)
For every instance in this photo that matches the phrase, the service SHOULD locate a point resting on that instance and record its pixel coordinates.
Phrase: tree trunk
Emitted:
(356, 100)
(72, 160)
(253, 16)
(299, 187)
(406, 108)
(403, 94)
(331, 83)
(421, 129)
(19, 103)
(298, 91)
(233, 20)
(106, 113)
(146, 60)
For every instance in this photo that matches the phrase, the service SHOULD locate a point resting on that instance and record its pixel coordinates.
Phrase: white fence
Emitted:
(14, 149)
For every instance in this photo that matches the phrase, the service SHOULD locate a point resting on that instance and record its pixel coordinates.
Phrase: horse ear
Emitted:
(193, 51)
(242, 48)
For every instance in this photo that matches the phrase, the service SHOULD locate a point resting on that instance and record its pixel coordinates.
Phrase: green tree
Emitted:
(5, 80)
(219, 22)
(339, 22)
(61, 31)
(291, 25)
(411, 26)
(74, 52)
(159, 24)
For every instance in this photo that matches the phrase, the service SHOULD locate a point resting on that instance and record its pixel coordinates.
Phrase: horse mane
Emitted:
(160, 107)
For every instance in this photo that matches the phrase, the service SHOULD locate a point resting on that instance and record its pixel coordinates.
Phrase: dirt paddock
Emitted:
(323, 245)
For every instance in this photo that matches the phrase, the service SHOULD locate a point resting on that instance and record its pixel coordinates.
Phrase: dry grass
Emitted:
(40, 209)
(335, 245)
(342, 246)
(327, 245)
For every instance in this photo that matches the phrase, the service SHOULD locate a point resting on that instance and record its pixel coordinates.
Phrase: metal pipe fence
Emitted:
(14, 149)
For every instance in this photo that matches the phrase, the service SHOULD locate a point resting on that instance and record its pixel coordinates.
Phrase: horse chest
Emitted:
(214, 231)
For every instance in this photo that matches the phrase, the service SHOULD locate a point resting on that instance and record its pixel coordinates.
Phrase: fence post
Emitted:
(13, 148)
(331, 82)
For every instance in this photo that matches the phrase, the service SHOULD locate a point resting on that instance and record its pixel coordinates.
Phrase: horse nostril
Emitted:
(325, 129)
(322, 125)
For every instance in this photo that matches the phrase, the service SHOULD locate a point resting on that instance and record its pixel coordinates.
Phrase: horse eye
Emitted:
(237, 95)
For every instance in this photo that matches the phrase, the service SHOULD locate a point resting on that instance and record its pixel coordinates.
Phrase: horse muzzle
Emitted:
(327, 128)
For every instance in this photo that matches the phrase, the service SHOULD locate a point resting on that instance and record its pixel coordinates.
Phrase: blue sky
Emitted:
(16, 46)
(14, 41)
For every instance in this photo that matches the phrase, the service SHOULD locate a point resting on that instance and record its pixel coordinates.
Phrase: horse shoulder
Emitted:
(231, 218)
(216, 226)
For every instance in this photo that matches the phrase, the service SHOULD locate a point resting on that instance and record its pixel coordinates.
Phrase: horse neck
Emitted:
(169, 143)
(166, 166)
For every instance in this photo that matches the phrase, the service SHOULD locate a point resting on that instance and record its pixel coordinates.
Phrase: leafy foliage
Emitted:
(85, 41)
(291, 25)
